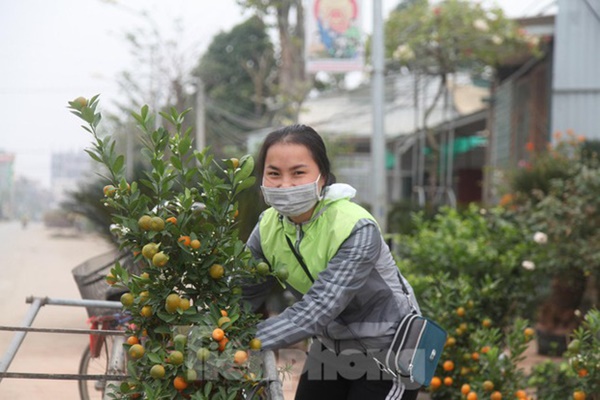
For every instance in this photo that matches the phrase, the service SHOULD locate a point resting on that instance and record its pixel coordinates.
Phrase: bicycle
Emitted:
(105, 354)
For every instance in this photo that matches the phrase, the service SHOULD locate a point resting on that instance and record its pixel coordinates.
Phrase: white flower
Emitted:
(528, 265)
(533, 41)
(540, 237)
(118, 230)
(497, 40)
(404, 52)
(481, 25)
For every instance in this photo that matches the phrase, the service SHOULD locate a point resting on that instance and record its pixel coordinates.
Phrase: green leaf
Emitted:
(155, 358)
(245, 184)
(176, 162)
(93, 155)
(246, 169)
(131, 368)
(163, 329)
(207, 389)
(88, 115)
(118, 165)
(158, 165)
(185, 145)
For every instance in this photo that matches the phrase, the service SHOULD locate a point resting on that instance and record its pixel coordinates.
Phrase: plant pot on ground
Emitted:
(557, 316)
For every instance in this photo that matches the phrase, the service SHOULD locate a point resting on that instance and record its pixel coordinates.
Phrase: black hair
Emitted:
(303, 135)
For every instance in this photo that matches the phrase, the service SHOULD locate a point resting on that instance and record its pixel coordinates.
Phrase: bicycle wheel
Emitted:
(93, 389)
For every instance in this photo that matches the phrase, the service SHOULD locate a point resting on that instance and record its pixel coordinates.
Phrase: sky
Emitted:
(54, 51)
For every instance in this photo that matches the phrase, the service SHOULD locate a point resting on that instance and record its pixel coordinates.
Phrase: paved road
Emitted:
(38, 261)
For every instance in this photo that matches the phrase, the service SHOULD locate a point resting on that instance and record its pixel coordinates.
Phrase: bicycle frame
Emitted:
(115, 371)
(113, 349)
(26, 326)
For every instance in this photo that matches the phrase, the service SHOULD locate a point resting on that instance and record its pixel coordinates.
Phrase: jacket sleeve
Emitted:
(256, 294)
(331, 292)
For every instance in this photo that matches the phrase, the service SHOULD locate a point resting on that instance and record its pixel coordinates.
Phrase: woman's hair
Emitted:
(305, 136)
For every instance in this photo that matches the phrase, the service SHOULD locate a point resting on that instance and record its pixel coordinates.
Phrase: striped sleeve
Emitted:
(331, 293)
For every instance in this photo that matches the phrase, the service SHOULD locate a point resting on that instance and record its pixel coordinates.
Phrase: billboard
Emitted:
(334, 36)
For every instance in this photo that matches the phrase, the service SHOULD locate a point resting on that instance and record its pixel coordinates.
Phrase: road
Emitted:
(38, 261)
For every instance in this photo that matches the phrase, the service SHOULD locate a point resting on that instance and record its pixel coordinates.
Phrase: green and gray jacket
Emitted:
(356, 289)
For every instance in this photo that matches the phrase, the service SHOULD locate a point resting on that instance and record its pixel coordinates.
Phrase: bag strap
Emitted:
(407, 293)
(300, 259)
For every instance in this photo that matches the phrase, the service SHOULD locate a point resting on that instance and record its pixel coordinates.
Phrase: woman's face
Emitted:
(290, 164)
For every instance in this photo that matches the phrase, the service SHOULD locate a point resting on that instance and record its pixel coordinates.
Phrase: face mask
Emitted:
(292, 201)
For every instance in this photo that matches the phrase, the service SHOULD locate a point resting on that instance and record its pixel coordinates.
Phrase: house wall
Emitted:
(576, 83)
(355, 170)
(531, 123)
(500, 143)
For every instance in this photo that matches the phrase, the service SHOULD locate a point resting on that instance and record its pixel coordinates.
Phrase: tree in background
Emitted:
(238, 73)
(446, 38)
(292, 81)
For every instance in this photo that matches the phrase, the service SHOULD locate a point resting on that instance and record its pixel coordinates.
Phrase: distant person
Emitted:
(24, 221)
(349, 294)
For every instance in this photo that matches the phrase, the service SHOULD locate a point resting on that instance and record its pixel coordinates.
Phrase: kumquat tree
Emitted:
(190, 336)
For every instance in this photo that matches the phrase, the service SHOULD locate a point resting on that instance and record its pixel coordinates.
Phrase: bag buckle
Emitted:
(383, 368)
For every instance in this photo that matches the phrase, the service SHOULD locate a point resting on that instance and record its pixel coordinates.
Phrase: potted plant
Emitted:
(556, 194)
(576, 376)
(190, 335)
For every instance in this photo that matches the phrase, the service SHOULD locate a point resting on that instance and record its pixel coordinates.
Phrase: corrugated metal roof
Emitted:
(350, 113)
(576, 82)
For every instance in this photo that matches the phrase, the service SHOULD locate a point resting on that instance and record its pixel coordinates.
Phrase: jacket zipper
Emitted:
(299, 236)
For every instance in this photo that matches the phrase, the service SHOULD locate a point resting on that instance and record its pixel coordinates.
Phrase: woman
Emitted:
(347, 285)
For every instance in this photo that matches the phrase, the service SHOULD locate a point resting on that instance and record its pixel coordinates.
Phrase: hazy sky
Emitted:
(54, 51)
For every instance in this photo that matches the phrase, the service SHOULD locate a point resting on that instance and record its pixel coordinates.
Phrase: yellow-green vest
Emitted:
(321, 237)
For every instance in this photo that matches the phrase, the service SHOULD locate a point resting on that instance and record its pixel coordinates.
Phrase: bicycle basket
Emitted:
(90, 277)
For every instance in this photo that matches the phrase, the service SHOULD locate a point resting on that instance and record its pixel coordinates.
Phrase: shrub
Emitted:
(561, 202)
(483, 247)
(478, 354)
(467, 271)
(580, 370)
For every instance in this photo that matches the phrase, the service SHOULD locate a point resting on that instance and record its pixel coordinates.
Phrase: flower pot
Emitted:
(551, 343)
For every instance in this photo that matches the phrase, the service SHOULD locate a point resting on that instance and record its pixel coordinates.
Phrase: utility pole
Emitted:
(200, 116)
(378, 177)
(129, 164)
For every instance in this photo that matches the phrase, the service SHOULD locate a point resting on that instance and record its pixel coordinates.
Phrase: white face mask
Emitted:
(292, 201)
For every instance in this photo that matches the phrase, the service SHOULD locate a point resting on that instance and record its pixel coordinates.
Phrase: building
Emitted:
(67, 170)
(345, 120)
(537, 97)
(6, 184)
